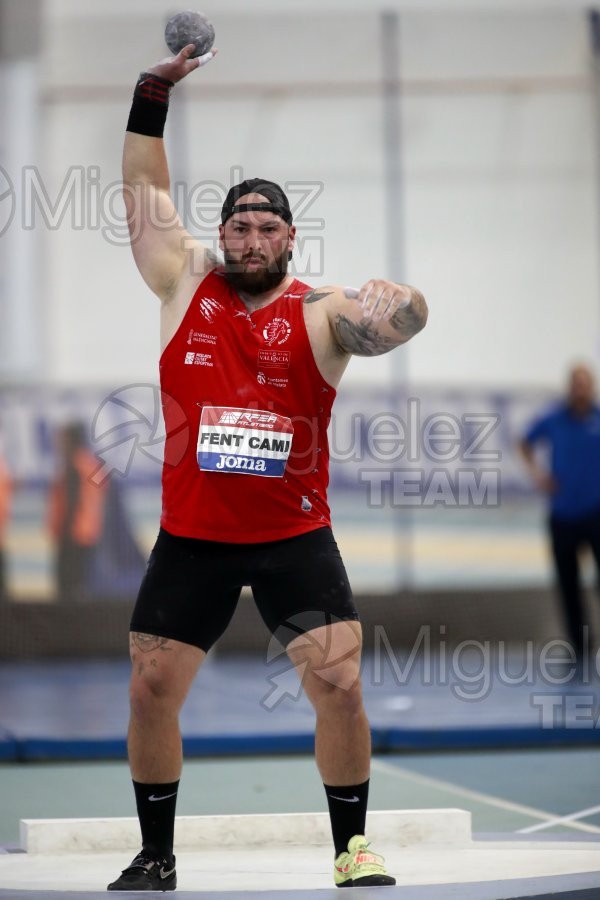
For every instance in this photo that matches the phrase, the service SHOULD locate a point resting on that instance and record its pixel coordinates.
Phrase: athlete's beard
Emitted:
(260, 281)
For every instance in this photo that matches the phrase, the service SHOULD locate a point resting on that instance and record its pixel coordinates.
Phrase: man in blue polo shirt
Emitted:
(571, 479)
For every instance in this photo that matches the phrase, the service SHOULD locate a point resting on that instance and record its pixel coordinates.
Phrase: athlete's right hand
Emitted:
(174, 68)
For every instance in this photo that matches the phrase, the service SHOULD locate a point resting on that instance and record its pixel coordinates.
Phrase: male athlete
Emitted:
(253, 358)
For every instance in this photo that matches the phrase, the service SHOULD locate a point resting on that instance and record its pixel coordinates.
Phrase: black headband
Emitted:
(280, 211)
(276, 202)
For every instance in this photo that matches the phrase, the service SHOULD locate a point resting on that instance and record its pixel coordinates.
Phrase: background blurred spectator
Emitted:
(571, 479)
(75, 514)
(96, 554)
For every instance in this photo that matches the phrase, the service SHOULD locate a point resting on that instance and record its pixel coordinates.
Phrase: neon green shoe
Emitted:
(359, 867)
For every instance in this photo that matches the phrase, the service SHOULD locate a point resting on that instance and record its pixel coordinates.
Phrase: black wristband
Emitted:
(150, 104)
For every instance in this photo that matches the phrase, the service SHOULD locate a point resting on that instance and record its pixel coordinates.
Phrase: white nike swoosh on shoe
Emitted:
(345, 799)
(166, 797)
(164, 874)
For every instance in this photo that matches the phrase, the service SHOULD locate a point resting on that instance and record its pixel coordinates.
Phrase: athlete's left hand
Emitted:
(380, 299)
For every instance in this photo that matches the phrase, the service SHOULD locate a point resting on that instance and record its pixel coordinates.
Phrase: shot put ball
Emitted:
(189, 27)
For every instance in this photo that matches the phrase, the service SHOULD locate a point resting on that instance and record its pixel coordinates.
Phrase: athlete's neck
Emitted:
(252, 302)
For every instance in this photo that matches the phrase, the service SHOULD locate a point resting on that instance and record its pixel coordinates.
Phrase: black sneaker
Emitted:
(146, 874)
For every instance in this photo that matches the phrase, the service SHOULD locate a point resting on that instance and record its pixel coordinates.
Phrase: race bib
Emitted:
(251, 441)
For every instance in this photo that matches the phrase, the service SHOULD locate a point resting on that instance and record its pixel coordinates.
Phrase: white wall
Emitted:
(63, 8)
(501, 196)
(498, 157)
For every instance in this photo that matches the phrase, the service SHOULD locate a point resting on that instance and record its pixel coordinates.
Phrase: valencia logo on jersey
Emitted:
(274, 359)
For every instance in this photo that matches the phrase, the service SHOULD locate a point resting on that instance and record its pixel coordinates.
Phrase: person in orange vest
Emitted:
(76, 513)
(6, 488)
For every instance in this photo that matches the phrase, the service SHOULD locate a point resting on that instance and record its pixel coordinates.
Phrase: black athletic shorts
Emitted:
(191, 587)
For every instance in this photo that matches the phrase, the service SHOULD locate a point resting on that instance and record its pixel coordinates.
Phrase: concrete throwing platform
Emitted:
(446, 827)
(431, 853)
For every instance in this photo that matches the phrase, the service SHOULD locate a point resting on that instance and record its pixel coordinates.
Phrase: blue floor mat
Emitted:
(247, 705)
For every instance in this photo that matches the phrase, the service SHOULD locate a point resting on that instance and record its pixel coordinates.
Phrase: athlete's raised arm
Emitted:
(161, 246)
(373, 320)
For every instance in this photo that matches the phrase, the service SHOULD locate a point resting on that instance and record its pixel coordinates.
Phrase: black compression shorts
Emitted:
(191, 587)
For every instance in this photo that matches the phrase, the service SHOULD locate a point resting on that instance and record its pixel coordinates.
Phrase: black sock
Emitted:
(347, 811)
(156, 812)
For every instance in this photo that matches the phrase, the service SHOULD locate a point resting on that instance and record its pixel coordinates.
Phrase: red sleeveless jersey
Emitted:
(246, 413)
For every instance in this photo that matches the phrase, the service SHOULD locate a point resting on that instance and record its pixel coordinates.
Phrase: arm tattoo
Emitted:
(147, 643)
(361, 338)
(314, 295)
